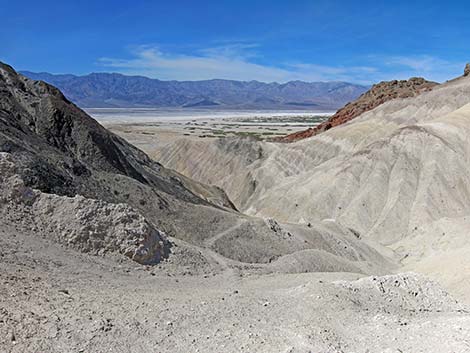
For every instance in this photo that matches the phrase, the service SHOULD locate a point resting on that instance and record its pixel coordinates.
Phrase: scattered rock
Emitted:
(88, 225)
(467, 70)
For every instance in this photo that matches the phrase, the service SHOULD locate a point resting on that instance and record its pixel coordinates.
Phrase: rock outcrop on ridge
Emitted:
(377, 95)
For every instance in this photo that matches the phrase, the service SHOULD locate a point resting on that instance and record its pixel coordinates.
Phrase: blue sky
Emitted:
(357, 41)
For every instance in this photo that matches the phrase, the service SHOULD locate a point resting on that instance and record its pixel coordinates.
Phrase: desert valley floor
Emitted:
(353, 240)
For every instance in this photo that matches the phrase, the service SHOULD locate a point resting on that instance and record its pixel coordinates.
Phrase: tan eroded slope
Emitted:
(391, 174)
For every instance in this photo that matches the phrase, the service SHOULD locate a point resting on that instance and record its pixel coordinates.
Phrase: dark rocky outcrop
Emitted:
(377, 95)
(60, 150)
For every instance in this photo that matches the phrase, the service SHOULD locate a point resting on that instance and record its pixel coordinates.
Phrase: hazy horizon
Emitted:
(238, 40)
(156, 78)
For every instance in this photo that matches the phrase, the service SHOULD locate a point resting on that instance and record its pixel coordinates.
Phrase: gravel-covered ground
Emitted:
(53, 299)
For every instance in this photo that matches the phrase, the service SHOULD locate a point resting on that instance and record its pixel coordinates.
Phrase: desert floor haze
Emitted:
(209, 235)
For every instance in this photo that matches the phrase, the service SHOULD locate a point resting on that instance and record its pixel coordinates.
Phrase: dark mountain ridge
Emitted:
(101, 90)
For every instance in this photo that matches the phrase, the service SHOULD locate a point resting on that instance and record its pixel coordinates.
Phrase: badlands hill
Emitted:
(377, 95)
(115, 90)
(104, 249)
(397, 175)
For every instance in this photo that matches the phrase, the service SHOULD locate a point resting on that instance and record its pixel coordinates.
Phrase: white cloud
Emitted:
(228, 62)
(420, 63)
(220, 62)
(430, 67)
(238, 62)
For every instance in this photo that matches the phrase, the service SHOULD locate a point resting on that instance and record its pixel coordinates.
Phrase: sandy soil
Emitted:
(54, 299)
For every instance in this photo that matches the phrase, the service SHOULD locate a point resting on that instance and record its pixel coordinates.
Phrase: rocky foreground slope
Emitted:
(58, 300)
(88, 225)
(377, 95)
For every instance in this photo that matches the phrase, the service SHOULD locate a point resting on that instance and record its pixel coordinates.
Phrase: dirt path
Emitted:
(209, 243)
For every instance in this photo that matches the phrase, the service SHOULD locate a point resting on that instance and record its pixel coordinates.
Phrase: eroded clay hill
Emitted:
(377, 95)
(397, 174)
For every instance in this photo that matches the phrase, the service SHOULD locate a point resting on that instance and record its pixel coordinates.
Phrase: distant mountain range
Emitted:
(102, 90)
